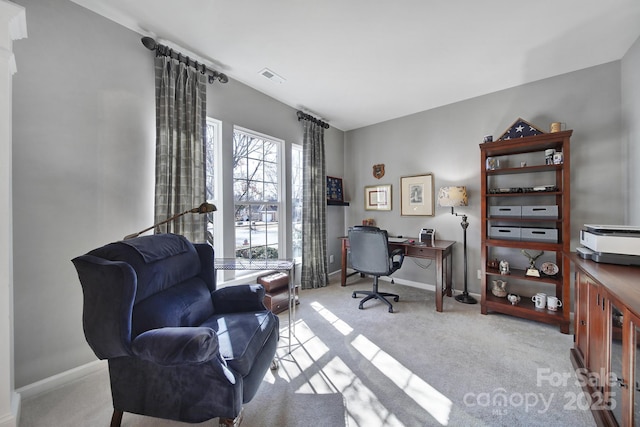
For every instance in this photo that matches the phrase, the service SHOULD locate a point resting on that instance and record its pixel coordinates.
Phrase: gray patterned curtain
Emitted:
(180, 138)
(314, 208)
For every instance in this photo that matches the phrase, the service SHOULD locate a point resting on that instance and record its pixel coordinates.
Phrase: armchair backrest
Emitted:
(369, 247)
(140, 284)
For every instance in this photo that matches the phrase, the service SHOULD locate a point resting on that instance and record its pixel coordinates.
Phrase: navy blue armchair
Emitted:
(177, 347)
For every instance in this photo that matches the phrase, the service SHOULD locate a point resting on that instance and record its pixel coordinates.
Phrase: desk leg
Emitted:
(439, 281)
(343, 260)
(448, 259)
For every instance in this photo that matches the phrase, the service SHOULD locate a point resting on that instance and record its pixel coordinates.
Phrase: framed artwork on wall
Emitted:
(334, 189)
(377, 197)
(416, 195)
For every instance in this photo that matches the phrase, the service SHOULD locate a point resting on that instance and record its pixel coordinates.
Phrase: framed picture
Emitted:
(377, 197)
(416, 195)
(334, 189)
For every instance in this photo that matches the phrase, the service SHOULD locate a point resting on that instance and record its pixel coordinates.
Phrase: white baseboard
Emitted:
(60, 379)
(12, 419)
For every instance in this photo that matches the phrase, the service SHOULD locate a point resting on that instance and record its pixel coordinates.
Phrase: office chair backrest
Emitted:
(369, 250)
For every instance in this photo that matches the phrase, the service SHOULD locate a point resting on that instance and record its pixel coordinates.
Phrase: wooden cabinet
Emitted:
(605, 352)
(526, 207)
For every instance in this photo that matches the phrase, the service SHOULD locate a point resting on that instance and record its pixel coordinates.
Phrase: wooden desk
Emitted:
(441, 252)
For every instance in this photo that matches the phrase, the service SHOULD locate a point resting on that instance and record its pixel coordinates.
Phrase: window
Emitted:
(212, 157)
(296, 201)
(256, 194)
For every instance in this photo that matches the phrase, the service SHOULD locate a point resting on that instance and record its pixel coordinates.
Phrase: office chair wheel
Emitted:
(353, 295)
(396, 299)
(361, 307)
(390, 309)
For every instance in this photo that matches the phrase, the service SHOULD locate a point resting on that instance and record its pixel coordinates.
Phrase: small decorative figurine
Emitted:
(513, 299)
(532, 270)
(504, 267)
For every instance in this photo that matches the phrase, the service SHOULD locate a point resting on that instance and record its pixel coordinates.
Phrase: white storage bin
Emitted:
(540, 211)
(504, 233)
(549, 235)
(505, 211)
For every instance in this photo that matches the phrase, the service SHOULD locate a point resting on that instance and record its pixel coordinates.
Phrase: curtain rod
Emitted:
(303, 116)
(162, 50)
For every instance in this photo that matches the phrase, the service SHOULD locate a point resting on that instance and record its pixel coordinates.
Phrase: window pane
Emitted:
(255, 169)
(240, 189)
(258, 193)
(271, 152)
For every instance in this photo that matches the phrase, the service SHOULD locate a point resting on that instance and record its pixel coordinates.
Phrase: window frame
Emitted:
(218, 188)
(296, 148)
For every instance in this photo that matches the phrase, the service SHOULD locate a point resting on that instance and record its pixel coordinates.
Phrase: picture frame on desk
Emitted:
(416, 195)
(334, 189)
(377, 197)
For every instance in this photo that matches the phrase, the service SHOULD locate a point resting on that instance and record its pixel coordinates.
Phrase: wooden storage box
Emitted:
(274, 282)
(277, 303)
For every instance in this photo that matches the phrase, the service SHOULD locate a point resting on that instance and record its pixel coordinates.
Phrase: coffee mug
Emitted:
(553, 303)
(557, 127)
(540, 299)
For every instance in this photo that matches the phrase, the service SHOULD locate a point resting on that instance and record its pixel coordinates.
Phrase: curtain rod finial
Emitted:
(149, 43)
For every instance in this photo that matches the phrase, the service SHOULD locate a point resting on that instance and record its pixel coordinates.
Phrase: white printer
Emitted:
(611, 244)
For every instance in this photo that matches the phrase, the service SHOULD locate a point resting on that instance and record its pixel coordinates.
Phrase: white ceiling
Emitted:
(359, 62)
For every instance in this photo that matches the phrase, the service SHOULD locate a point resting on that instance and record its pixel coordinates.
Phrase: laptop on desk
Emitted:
(398, 240)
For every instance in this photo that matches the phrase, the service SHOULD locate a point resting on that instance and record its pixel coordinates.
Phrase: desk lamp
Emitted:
(452, 197)
(203, 208)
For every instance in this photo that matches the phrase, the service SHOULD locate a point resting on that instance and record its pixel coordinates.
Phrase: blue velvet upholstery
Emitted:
(178, 348)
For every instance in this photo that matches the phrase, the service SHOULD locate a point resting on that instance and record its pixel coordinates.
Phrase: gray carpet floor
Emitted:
(367, 368)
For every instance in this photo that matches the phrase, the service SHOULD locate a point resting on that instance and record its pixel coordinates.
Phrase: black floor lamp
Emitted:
(202, 209)
(452, 197)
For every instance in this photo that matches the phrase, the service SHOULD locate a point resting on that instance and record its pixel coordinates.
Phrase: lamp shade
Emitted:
(452, 196)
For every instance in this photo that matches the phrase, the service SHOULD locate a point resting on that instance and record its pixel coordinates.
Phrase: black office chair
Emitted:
(369, 247)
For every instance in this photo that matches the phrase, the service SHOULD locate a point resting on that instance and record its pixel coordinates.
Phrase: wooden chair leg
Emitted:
(116, 418)
(231, 422)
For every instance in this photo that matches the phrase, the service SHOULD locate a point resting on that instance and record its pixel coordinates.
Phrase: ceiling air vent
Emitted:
(271, 76)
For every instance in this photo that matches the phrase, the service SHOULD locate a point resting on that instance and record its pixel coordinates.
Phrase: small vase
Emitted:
(499, 288)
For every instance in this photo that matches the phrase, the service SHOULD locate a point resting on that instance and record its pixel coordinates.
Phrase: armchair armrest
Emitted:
(176, 346)
(240, 298)
(397, 258)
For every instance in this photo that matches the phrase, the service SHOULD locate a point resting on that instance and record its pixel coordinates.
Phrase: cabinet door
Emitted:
(582, 316)
(597, 326)
(615, 385)
(631, 402)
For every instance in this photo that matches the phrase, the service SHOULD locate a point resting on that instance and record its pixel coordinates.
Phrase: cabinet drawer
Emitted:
(540, 211)
(419, 252)
(540, 235)
(505, 233)
(514, 211)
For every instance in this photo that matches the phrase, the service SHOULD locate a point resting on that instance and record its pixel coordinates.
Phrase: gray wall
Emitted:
(444, 141)
(631, 124)
(83, 165)
(83, 122)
